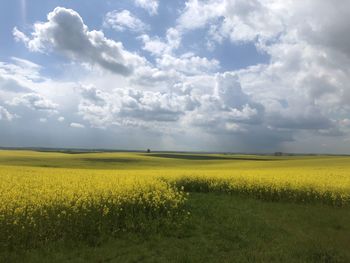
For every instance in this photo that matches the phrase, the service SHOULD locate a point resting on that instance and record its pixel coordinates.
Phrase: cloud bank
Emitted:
(169, 94)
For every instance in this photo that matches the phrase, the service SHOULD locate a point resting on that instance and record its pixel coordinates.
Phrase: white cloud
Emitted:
(5, 114)
(28, 66)
(150, 5)
(127, 106)
(124, 20)
(152, 106)
(154, 45)
(60, 119)
(159, 46)
(11, 84)
(219, 107)
(238, 20)
(187, 64)
(153, 77)
(228, 89)
(300, 92)
(90, 93)
(17, 77)
(35, 102)
(198, 13)
(66, 33)
(248, 20)
(226, 108)
(77, 125)
(20, 36)
(304, 85)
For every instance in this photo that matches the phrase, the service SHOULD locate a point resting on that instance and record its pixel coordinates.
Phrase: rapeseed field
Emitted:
(40, 205)
(58, 196)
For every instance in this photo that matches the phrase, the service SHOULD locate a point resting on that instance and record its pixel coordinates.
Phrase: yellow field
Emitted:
(41, 204)
(53, 196)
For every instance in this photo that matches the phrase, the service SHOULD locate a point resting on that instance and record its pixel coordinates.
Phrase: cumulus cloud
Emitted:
(154, 45)
(264, 21)
(66, 33)
(197, 14)
(188, 63)
(158, 46)
(95, 106)
(35, 101)
(229, 91)
(60, 119)
(77, 125)
(19, 35)
(300, 92)
(248, 20)
(124, 20)
(5, 114)
(152, 76)
(238, 20)
(227, 108)
(304, 87)
(127, 106)
(153, 106)
(90, 93)
(150, 5)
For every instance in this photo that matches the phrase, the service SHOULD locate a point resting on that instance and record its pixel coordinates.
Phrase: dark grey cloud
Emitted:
(328, 26)
(307, 121)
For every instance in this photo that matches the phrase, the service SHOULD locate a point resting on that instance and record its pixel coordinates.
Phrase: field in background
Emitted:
(50, 197)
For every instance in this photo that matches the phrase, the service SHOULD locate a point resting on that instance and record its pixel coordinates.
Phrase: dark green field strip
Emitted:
(110, 160)
(210, 157)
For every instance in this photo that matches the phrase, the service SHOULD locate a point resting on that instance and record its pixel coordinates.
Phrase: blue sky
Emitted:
(230, 75)
(23, 14)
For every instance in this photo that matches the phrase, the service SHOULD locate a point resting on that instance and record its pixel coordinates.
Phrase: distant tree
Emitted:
(148, 150)
(278, 153)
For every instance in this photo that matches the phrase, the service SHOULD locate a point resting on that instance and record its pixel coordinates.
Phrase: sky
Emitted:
(192, 75)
